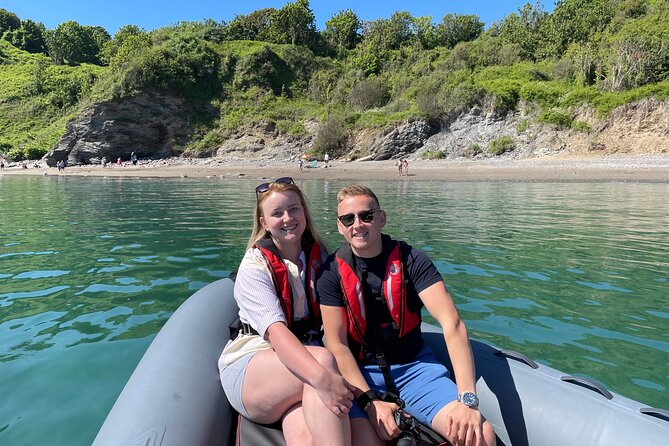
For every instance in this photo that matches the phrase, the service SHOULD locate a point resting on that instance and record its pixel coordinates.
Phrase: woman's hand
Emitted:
(463, 426)
(381, 416)
(336, 393)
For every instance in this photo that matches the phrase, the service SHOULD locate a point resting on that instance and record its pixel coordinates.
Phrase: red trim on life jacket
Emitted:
(394, 293)
(279, 273)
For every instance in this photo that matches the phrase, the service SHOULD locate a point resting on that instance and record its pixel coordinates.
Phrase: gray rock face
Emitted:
(152, 124)
(263, 141)
(401, 141)
(147, 124)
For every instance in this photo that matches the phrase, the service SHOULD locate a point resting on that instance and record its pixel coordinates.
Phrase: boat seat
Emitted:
(250, 433)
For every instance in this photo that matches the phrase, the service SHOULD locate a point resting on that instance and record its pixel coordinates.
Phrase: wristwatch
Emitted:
(365, 399)
(469, 399)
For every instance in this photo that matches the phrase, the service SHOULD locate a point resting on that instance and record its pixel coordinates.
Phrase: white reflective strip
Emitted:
(389, 293)
(361, 301)
(312, 284)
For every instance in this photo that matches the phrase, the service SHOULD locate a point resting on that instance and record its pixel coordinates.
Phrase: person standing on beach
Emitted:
(371, 294)
(276, 367)
(133, 158)
(326, 159)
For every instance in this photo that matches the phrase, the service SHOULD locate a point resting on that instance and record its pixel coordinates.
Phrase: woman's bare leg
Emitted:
(317, 416)
(295, 430)
(270, 390)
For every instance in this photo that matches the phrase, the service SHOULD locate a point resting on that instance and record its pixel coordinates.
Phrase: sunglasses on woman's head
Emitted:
(364, 216)
(264, 187)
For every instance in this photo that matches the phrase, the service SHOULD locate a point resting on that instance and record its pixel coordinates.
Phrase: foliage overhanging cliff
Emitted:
(273, 66)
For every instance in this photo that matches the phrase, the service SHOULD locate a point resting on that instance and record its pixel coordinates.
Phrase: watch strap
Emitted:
(365, 399)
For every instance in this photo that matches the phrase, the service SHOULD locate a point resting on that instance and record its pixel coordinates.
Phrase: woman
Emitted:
(276, 369)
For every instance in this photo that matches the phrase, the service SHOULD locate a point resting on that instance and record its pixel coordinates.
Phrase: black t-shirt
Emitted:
(419, 274)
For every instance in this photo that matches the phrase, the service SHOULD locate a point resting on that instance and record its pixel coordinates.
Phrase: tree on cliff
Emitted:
(73, 44)
(254, 26)
(294, 23)
(8, 21)
(28, 37)
(342, 31)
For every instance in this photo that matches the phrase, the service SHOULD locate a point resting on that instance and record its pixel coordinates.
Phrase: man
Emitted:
(371, 293)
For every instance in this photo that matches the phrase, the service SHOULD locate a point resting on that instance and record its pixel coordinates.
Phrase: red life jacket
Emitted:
(394, 292)
(279, 274)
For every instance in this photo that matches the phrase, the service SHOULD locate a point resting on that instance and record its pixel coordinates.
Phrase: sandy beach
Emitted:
(636, 168)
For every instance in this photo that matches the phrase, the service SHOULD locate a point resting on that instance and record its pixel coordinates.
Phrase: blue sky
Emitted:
(151, 14)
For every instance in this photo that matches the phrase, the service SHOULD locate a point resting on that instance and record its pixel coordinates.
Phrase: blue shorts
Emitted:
(424, 384)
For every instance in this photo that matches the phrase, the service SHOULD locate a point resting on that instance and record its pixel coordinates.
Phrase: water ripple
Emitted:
(573, 275)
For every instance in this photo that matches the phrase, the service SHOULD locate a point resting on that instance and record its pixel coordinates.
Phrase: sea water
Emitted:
(575, 276)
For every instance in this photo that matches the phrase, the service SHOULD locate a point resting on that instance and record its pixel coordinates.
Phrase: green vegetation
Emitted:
(557, 117)
(581, 126)
(273, 66)
(501, 145)
(472, 151)
(433, 154)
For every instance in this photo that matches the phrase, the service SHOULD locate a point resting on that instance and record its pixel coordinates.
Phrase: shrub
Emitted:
(581, 126)
(556, 117)
(523, 125)
(461, 98)
(209, 143)
(33, 153)
(505, 101)
(332, 138)
(322, 85)
(501, 145)
(433, 155)
(429, 107)
(369, 93)
(5, 147)
(472, 150)
(184, 65)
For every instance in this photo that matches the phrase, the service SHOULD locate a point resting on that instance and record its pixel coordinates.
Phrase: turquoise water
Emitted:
(573, 275)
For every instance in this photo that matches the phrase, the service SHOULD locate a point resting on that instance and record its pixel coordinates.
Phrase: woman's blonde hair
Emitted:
(259, 232)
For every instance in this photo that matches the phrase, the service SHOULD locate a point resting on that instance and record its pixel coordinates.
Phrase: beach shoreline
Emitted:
(634, 168)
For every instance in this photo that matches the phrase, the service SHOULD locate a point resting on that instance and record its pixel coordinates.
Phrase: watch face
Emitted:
(469, 399)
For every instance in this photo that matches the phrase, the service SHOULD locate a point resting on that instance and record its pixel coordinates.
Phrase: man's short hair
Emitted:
(355, 190)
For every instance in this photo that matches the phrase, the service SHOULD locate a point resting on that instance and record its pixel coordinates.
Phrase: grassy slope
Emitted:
(37, 98)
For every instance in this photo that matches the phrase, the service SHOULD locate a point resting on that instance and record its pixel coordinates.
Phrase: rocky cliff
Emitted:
(152, 125)
(149, 124)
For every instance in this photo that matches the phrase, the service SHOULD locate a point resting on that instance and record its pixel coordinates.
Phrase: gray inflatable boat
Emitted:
(174, 397)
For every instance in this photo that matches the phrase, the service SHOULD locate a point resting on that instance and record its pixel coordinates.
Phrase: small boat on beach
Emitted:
(174, 397)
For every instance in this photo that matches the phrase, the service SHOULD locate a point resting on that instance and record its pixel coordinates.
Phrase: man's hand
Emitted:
(463, 426)
(336, 393)
(381, 417)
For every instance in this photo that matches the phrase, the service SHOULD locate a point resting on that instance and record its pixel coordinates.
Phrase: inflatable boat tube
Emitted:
(174, 397)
